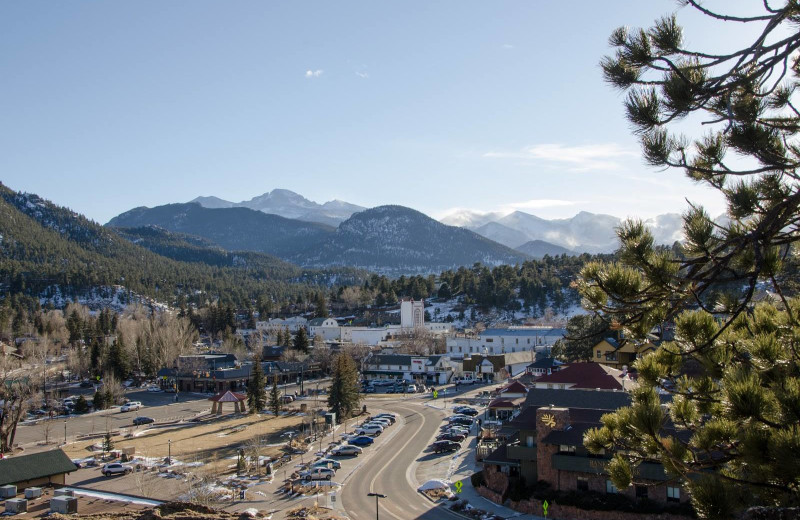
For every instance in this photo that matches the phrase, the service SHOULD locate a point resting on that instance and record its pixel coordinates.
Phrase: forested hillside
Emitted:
(47, 249)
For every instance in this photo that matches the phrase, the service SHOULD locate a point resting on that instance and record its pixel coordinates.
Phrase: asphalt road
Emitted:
(391, 470)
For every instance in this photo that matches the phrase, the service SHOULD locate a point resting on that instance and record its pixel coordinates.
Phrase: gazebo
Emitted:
(228, 397)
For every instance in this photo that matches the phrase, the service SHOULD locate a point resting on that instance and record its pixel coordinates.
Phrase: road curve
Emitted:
(386, 472)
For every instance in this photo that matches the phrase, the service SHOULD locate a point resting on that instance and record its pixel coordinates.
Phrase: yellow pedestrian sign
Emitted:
(459, 485)
(545, 505)
(435, 394)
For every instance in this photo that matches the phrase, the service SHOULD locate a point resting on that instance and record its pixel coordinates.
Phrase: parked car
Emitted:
(346, 449)
(457, 429)
(153, 389)
(115, 468)
(411, 389)
(143, 420)
(466, 421)
(369, 429)
(383, 421)
(440, 446)
(455, 437)
(286, 399)
(328, 463)
(466, 410)
(86, 384)
(318, 473)
(130, 406)
(389, 416)
(361, 440)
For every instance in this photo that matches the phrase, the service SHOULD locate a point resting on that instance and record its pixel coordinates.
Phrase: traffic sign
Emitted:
(435, 394)
(459, 485)
(545, 505)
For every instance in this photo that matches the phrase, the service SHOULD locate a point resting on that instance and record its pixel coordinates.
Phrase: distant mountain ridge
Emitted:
(402, 240)
(584, 233)
(386, 239)
(234, 229)
(289, 204)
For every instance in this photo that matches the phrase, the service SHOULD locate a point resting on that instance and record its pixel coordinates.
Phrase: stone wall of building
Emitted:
(496, 481)
(556, 511)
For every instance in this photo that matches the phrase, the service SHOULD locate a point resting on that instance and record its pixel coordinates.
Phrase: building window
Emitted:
(561, 386)
(583, 484)
(529, 441)
(529, 341)
(516, 341)
(489, 340)
(611, 488)
(673, 494)
(599, 354)
(459, 349)
(566, 449)
(550, 385)
(641, 491)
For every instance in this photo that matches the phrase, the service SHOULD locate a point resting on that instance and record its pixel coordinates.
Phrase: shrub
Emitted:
(477, 479)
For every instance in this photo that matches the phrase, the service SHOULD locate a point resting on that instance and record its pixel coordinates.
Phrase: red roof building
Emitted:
(587, 376)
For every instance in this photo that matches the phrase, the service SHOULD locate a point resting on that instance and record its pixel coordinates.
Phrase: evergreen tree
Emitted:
(108, 443)
(301, 340)
(736, 440)
(287, 338)
(343, 396)
(320, 306)
(81, 406)
(275, 398)
(99, 401)
(117, 362)
(584, 331)
(279, 338)
(256, 388)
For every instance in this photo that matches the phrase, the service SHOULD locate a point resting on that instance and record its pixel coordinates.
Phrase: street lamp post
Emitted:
(65, 431)
(377, 496)
(169, 451)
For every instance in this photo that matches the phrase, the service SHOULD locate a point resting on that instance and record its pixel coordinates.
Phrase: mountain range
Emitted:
(534, 236)
(289, 204)
(386, 239)
(584, 233)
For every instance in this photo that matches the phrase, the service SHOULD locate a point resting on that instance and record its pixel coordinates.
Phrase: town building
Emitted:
(327, 329)
(505, 341)
(587, 376)
(547, 445)
(620, 353)
(275, 324)
(431, 370)
(46, 468)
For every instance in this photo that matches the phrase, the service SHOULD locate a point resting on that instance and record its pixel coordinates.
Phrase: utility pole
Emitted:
(377, 496)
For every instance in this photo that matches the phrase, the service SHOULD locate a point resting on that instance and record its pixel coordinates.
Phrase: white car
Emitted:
(129, 407)
(115, 468)
(383, 422)
(153, 389)
(369, 429)
(318, 473)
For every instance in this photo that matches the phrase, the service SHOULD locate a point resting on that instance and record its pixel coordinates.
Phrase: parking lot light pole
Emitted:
(377, 496)
(65, 431)
(169, 451)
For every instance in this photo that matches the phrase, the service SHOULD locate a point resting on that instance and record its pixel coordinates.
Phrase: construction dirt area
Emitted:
(209, 446)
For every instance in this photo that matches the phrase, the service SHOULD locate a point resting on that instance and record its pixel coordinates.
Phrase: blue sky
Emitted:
(105, 106)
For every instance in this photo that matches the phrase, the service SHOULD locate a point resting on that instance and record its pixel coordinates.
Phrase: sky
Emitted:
(486, 106)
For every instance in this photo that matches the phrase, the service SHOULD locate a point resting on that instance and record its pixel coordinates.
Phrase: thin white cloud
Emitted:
(311, 74)
(364, 75)
(508, 46)
(581, 158)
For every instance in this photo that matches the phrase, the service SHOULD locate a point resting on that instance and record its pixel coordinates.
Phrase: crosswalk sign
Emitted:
(435, 394)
